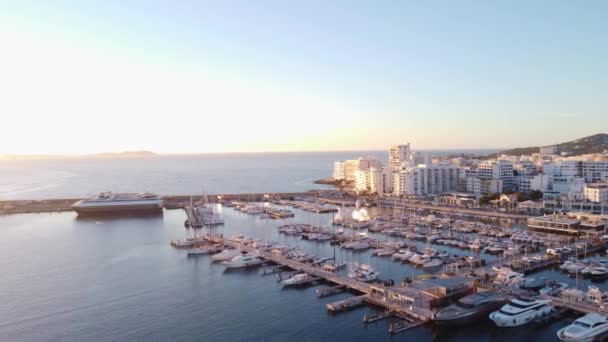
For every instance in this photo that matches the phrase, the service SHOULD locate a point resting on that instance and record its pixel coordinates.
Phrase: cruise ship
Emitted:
(119, 203)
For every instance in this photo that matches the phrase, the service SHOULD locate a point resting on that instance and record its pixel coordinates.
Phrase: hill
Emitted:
(597, 143)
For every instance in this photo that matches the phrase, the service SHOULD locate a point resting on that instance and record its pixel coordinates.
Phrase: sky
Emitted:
(81, 77)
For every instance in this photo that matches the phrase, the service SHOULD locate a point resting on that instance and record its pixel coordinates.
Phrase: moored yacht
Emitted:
(587, 328)
(470, 308)
(298, 279)
(364, 273)
(227, 254)
(520, 311)
(243, 261)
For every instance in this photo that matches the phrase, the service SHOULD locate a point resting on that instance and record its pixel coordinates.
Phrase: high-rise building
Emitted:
(399, 156)
(426, 180)
(339, 170)
(499, 170)
(595, 171)
(347, 169)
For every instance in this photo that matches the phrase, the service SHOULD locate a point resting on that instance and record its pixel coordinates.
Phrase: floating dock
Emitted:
(346, 304)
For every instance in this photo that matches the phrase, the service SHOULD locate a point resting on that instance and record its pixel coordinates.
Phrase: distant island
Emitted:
(125, 154)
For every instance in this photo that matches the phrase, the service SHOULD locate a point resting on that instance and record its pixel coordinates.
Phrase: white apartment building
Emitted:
(375, 180)
(399, 156)
(500, 170)
(525, 167)
(426, 180)
(347, 169)
(522, 183)
(570, 186)
(595, 171)
(596, 193)
(339, 170)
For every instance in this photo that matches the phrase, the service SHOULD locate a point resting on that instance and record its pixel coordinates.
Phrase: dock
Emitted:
(330, 290)
(405, 301)
(346, 304)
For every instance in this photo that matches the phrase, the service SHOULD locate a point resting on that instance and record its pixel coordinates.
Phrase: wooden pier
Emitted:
(346, 304)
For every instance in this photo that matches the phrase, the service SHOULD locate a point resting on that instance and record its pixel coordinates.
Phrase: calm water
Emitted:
(65, 279)
(215, 173)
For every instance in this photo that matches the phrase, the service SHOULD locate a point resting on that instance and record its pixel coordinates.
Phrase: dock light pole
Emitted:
(333, 226)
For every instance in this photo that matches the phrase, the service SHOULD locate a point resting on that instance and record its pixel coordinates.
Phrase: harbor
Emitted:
(414, 301)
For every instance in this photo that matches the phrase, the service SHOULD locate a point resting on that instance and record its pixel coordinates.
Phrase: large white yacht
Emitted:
(520, 311)
(111, 203)
(587, 328)
(243, 261)
(298, 279)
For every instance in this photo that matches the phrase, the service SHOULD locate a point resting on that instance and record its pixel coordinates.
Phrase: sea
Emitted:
(66, 278)
(176, 174)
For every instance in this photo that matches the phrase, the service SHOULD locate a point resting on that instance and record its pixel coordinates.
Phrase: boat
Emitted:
(520, 311)
(298, 279)
(203, 250)
(590, 327)
(360, 245)
(364, 273)
(117, 203)
(403, 255)
(432, 264)
(599, 273)
(509, 278)
(552, 288)
(470, 309)
(243, 261)
(534, 284)
(227, 254)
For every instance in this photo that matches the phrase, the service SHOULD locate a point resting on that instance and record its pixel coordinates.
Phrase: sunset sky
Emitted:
(194, 76)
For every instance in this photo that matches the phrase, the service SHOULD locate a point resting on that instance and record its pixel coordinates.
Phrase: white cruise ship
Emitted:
(111, 203)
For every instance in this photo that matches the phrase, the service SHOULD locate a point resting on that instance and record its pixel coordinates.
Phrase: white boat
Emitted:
(553, 288)
(599, 273)
(520, 311)
(587, 328)
(432, 264)
(360, 245)
(227, 254)
(364, 273)
(243, 261)
(403, 255)
(596, 296)
(203, 250)
(298, 279)
(509, 278)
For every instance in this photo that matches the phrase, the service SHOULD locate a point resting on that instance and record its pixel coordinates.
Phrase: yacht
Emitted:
(520, 311)
(599, 273)
(364, 273)
(508, 278)
(243, 261)
(203, 250)
(403, 255)
(470, 308)
(552, 288)
(590, 327)
(227, 254)
(298, 279)
(432, 264)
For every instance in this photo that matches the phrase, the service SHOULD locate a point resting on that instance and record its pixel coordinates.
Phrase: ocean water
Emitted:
(70, 279)
(174, 175)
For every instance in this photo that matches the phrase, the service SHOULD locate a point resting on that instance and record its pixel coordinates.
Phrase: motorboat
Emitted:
(590, 327)
(360, 245)
(203, 250)
(599, 273)
(534, 284)
(520, 311)
(432, 264)
(243, 261)
(508, 278)
(364, 273)
(552, 288)
(227, 254)
(403, 255)
(470, 308)
(298, 279)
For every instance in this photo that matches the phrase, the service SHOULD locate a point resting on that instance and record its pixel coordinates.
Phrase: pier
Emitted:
(402, 300)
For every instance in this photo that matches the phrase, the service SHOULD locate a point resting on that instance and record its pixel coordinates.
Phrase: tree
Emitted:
(535, 195)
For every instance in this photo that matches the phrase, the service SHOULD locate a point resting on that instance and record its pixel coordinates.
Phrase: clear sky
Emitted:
(196, 76)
